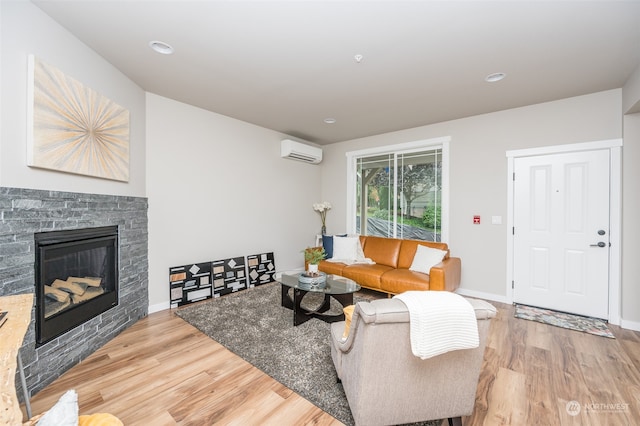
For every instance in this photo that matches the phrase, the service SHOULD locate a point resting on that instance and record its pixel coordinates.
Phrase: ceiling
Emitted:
(288, 65)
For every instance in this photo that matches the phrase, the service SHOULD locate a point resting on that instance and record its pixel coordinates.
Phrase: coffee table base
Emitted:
(302, 315)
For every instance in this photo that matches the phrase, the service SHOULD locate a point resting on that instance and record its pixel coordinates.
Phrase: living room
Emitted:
(217, 187)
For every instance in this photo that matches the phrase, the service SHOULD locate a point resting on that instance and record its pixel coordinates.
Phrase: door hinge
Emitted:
(512, 284)
(513, 230)
(514, 176)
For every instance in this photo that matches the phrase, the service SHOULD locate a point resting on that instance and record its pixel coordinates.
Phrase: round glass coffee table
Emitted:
(340, 288)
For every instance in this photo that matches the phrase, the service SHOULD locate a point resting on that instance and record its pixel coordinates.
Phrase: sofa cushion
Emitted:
(345, 248)
(334, 268)
(327, 243)
(383, 251)
(365, 274)
(359, 249)
(400, 280)
(426, 258)
(409, 247)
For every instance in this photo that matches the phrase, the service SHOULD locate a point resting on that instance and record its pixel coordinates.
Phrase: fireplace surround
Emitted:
(76, 278)
(26, 212)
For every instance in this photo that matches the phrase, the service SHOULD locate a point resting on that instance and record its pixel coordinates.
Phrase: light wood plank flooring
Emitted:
(162, 371)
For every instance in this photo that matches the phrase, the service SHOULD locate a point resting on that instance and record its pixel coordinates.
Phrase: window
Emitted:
(400, 191)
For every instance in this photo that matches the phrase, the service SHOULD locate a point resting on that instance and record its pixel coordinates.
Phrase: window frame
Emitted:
(441, 143)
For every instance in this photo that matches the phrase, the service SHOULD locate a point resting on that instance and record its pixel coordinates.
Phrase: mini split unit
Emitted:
(294, 150)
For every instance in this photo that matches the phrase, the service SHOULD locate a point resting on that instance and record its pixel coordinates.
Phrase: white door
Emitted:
(561, 232)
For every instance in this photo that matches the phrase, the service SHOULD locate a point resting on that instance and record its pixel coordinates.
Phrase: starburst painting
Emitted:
(73, 128)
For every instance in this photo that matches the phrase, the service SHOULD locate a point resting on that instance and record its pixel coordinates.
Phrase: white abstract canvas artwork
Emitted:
(73, 128)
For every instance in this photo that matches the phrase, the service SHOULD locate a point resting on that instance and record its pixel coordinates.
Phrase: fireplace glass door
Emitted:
(76, 278)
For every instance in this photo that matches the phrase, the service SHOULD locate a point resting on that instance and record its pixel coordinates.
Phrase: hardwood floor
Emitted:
(162, 371)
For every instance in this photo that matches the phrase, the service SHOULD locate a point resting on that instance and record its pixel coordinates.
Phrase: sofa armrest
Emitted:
(445, 275)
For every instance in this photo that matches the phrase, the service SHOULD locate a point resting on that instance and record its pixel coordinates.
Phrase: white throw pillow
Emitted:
(425, 258)
(360, 255)
(63, 413)
(345, 248)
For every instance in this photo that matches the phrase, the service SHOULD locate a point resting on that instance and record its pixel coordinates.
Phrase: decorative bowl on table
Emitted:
(314, 280)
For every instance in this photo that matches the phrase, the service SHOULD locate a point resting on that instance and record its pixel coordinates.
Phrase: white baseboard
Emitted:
(614, 321)
(159, 307)
(482, 295)
(630, 325)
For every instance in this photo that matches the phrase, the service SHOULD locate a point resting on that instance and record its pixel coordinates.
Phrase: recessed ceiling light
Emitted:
(329, 120)
(492, 78)
(161, 47)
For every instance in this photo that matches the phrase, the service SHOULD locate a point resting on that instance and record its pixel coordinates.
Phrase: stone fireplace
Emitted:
(26, 215)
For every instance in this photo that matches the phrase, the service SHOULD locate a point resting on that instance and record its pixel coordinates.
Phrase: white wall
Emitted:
(630, 224)
(631, 202)
(27, 30)
(631, 93)
(218, 188)
(478, 176)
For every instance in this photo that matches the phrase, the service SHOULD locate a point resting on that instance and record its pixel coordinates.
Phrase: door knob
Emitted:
(600, 244)
(601, 232)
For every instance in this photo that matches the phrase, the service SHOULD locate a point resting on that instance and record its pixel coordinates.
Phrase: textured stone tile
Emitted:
(26, 211)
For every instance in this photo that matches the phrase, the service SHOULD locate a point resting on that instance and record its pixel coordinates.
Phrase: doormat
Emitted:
(560, 319)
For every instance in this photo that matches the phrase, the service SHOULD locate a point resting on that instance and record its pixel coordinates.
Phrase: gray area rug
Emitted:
(253, 325)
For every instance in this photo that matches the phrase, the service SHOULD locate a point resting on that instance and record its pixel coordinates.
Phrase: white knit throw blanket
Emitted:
(440, 321)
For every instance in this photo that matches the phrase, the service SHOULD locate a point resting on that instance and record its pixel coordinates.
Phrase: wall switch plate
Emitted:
(496, 220)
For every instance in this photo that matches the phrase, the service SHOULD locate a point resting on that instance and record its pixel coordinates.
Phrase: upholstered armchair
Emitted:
(386, 384)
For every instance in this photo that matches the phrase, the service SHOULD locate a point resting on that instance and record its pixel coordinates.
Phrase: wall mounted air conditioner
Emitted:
(294, 150)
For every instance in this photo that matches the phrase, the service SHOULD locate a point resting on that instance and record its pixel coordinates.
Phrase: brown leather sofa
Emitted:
(390, 273)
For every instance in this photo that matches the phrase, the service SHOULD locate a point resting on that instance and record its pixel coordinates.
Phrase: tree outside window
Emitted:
(399, 195)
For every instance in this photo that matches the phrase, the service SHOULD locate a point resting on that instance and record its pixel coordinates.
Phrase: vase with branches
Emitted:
(322, 208)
